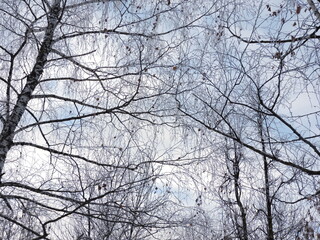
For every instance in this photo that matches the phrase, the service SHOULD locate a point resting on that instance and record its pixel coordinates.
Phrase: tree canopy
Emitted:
(164, 119)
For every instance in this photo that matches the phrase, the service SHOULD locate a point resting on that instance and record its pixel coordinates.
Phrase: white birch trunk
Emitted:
(11, 123)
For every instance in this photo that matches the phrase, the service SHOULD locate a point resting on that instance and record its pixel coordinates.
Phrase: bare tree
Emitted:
(254, 84)
(234, 158)
(102, 100)
(86, 86)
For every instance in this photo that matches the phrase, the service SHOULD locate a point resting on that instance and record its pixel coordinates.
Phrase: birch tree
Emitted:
(86, 100)
(256, 83)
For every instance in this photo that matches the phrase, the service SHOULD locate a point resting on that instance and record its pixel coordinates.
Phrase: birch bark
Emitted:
(10, 124)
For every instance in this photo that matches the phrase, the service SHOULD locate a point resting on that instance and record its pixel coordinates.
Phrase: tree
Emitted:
(254, 85)
(234, 158)
(105, 101)
(87, 85)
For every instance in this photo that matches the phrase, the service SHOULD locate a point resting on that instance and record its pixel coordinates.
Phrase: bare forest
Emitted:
(159, 119)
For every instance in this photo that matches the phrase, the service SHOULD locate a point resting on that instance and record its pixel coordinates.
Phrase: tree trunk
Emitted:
(243, 231)
(10, 124)
(270, 233)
